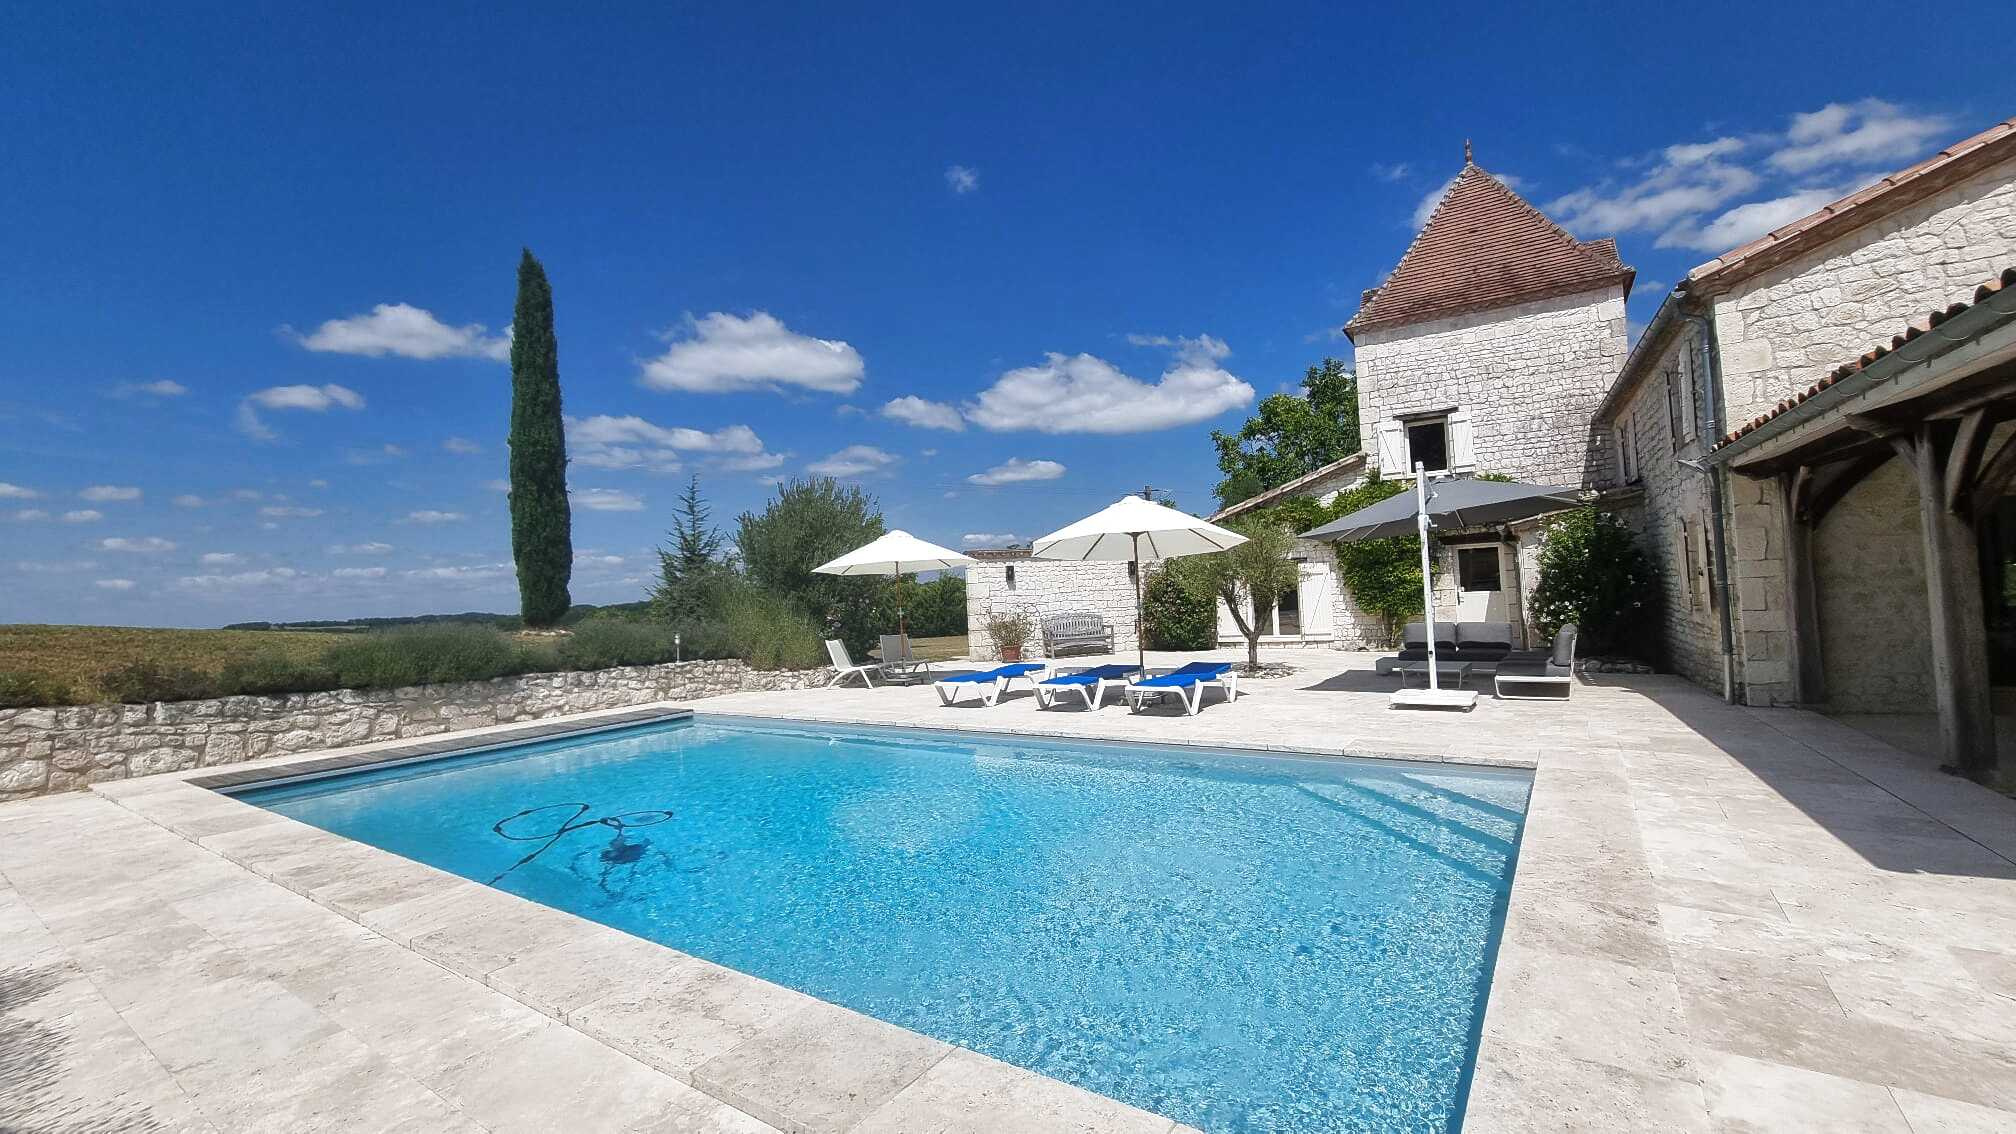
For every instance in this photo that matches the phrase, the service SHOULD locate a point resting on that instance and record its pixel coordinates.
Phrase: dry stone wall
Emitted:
(49, 750)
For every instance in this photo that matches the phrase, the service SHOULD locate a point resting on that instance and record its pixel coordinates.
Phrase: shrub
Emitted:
(761, 627)
(1009, 629)
(426, 656)
(26, 690)
(267, 675)
(603, 643)
(936, 609)
(1593, 573)
(1179, 611)
(142, 681)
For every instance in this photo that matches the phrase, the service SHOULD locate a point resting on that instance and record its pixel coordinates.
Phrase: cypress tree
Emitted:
(542, 539)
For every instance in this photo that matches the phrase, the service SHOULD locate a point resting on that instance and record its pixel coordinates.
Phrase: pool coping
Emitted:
(786, 1058)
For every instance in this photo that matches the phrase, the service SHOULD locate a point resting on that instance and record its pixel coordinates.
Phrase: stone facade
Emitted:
(1782, 330)
(1047, 586)
(1672, 509)
(1869, 571)
(49, 750)
(1530, 376)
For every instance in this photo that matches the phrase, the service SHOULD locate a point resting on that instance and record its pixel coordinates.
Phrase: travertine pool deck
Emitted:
(1722, 919)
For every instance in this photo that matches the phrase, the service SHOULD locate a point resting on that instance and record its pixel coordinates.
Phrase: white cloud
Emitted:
(264, 578)
(289, 512)
(247, 494)
(314, 399)
(987, 539)
(461, 446)
(83, 516)
(1856, 133)
(1745, 223)
(43, 567)
(1018, 471)
(17, 492)
(104, 493)
(407, 331)
(963, 179)
(1397, 171)
(591, 557)
(1085, 394)
(221, 558)
(605, 500)
(913, 410)
(371, 548)
(478, 573)
(188, 500)
(434, 516)
(148, 544)
(630, 442)
(725, 353)
(160, 388)
(358, 573)
(31, 514)
(498, 485)
(318, 482)
(1685, 180)
(853, 461)
(114, 584)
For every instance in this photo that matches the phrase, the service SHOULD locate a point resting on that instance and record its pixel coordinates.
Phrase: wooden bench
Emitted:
(1076, 631)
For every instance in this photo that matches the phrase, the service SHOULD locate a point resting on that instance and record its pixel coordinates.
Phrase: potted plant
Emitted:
(1010, 631)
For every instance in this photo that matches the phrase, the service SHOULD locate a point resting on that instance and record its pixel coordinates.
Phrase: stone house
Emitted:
(1822, 465)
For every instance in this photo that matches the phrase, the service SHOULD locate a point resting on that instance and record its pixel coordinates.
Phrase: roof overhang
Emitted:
(1964, 363)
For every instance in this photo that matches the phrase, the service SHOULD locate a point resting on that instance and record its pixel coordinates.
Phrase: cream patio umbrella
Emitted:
(892, 554)
(1127, 528)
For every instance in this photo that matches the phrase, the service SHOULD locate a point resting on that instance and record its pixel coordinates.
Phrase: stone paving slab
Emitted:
(1719, 914)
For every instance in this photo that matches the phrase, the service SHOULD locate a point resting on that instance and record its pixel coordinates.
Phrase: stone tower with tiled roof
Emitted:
(1491, 344)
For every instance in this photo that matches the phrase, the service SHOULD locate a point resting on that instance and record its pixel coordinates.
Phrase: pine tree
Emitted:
(691, 565)
(542, 538)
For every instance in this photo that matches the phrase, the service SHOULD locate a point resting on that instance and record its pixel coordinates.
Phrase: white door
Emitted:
(1317, 588)
(1480, 580)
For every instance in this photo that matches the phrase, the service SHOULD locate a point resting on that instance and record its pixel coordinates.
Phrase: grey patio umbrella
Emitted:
(1450, 505)
(1462, 502)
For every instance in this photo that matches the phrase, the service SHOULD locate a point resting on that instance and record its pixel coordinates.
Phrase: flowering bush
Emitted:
(1593, 573)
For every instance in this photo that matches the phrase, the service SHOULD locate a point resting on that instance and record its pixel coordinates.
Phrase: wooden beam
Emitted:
(1995, 476)
(1823, 496)
(1964, 459)
(1802, 606)
(1959, 626)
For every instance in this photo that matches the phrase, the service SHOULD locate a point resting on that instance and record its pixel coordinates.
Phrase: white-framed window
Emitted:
(1441, 441)
(1627, 451)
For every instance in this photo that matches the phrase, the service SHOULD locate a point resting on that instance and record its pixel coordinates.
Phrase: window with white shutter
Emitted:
(1393, 449)
(1462, 447)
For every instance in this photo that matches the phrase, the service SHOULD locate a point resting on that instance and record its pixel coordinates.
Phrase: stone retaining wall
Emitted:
(49, 750)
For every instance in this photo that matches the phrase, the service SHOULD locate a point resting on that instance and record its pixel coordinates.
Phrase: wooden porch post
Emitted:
(1959, 623)
(1802, 603)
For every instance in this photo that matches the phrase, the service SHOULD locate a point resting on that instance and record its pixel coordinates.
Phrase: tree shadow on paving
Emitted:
(32, 1054)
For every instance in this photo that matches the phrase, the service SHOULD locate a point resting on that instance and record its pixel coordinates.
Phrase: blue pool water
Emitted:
(1238, 941)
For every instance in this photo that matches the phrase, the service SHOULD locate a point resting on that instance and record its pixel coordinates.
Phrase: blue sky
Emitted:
(258, 266)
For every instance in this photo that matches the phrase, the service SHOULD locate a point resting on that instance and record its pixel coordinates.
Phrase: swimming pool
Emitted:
(1239, 941)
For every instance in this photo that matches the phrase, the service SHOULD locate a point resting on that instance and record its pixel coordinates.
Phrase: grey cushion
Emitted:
(1487, 635)
(1415, 636)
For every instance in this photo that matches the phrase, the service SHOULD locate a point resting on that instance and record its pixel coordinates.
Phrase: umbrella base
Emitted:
(1459, 699)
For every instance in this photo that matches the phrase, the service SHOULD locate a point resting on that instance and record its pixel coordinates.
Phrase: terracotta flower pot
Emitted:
(1011, 653)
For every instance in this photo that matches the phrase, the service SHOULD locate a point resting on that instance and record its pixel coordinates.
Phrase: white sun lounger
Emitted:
(844, 666)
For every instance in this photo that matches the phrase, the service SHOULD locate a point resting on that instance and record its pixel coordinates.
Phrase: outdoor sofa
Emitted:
(1482, 644)
(1539, 674)
(1077, 630)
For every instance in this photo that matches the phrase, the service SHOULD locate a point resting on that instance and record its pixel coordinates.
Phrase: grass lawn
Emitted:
(951, 648)
(76, 655)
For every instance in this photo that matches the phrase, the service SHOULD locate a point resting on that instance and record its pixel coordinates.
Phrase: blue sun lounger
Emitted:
(1090, 684)
(991, 683)
(1187, 684)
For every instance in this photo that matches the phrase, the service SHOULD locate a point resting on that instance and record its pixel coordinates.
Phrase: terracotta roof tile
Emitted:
(1917, 327)
(1485, 247)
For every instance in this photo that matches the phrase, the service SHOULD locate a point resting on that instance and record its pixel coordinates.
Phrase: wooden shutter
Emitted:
(1462, 447)
(1393, 449)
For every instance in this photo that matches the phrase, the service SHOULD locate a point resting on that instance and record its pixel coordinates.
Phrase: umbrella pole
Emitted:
(1140, 641)
(1427, 582)
(902, 628)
